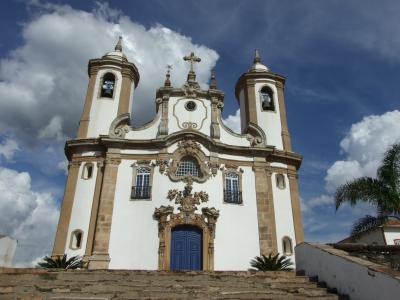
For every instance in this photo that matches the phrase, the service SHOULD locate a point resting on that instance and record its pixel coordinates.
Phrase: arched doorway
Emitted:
(186, 248)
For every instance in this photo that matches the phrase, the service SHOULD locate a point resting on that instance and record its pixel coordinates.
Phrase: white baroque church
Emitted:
(182, 191)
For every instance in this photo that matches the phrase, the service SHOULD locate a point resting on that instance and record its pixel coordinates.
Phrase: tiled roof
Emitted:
(393, 222)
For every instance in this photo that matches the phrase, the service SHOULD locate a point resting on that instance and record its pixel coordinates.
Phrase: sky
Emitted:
(340, 59)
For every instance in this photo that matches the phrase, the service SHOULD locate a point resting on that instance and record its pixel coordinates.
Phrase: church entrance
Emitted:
(186, 248)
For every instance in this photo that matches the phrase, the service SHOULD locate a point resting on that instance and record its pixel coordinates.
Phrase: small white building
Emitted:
(7, 250)
(387, 234)
(182, 191)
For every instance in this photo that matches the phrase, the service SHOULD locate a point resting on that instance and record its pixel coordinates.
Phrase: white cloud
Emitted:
(233, 121)
(53, 130)
(29, 216)
(319, 201)
(310, 205)
(63, 165)
(42, 91)
(8, 148)
(364, 146)
(43, 82)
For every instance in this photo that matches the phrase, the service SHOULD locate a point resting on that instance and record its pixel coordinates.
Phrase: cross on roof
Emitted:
(169, 68)
(193, 59)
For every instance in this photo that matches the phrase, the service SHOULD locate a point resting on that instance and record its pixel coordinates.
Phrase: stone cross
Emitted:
(193, 59)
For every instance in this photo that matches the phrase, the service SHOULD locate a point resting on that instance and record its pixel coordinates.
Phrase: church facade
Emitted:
(182, 191)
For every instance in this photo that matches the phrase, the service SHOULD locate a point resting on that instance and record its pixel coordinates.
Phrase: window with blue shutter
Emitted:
(232, 192)
(142, 189)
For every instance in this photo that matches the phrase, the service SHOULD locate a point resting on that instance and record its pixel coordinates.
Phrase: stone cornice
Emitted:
(103, 143)
(180, 92)
(127, 68)
(250, 77)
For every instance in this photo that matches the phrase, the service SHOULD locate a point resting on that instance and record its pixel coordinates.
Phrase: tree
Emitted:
(271, 263)
(383, 192)
(61, 262)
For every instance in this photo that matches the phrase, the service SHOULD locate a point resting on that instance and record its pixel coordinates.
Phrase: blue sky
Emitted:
(340, 59)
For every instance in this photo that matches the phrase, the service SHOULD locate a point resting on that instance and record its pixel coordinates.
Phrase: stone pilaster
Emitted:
(163, 128)
(250, 103)
(95, 209)
(66, 209)
(215, 107)
(125, 96)
(265, 208)
(85, 118)
(100, 257)
(296, 208)
(287, 146)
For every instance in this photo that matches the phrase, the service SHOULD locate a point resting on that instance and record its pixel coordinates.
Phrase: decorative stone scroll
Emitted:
(120, 126)
(188, 147)
(256, 136)
(187, 205)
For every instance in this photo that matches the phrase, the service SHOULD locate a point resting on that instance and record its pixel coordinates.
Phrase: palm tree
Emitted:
(271, 263)
(383, 192)
(61, 262)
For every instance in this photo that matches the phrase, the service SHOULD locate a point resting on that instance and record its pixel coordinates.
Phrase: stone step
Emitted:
(121, 284)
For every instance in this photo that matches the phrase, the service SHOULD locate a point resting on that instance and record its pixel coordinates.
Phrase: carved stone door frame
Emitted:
(164, 257)
(187, 205)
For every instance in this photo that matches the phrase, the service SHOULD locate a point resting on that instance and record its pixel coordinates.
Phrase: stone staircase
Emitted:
(40, 284)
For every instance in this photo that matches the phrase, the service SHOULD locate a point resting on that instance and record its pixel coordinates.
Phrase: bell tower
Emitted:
(112, 81)
(260, 94)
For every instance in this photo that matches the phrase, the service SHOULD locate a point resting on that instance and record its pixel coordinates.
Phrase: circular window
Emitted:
(190, 105)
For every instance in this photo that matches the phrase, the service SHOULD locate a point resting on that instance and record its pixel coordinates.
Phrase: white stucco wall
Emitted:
(104, 110)
(283, 214)
(81, 209)
(134, 233)
(357, 278)
(229, 137)
(269, 121)
(146, 131)
(7, 251)
(391, 233)
(178, 115)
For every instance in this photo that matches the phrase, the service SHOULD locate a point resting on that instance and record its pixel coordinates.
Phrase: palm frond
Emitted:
(364, 189)
(61, 262)
(389, 171)
(271, 263)
(368, 223)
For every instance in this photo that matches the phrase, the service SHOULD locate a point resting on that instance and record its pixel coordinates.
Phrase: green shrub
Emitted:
(271, 263)
(61, 262)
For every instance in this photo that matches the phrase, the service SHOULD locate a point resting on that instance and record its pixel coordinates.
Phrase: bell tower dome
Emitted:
(260, 94)
(112, 81)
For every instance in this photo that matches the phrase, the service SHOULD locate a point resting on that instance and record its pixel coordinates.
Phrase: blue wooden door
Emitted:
(186, 248)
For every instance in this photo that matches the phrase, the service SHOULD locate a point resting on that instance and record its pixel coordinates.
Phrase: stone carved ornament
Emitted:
(120, 126)
(167, 220)
(255, 135)
(188, 147)
(186, 199)
(162, 164)
(187, 205)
